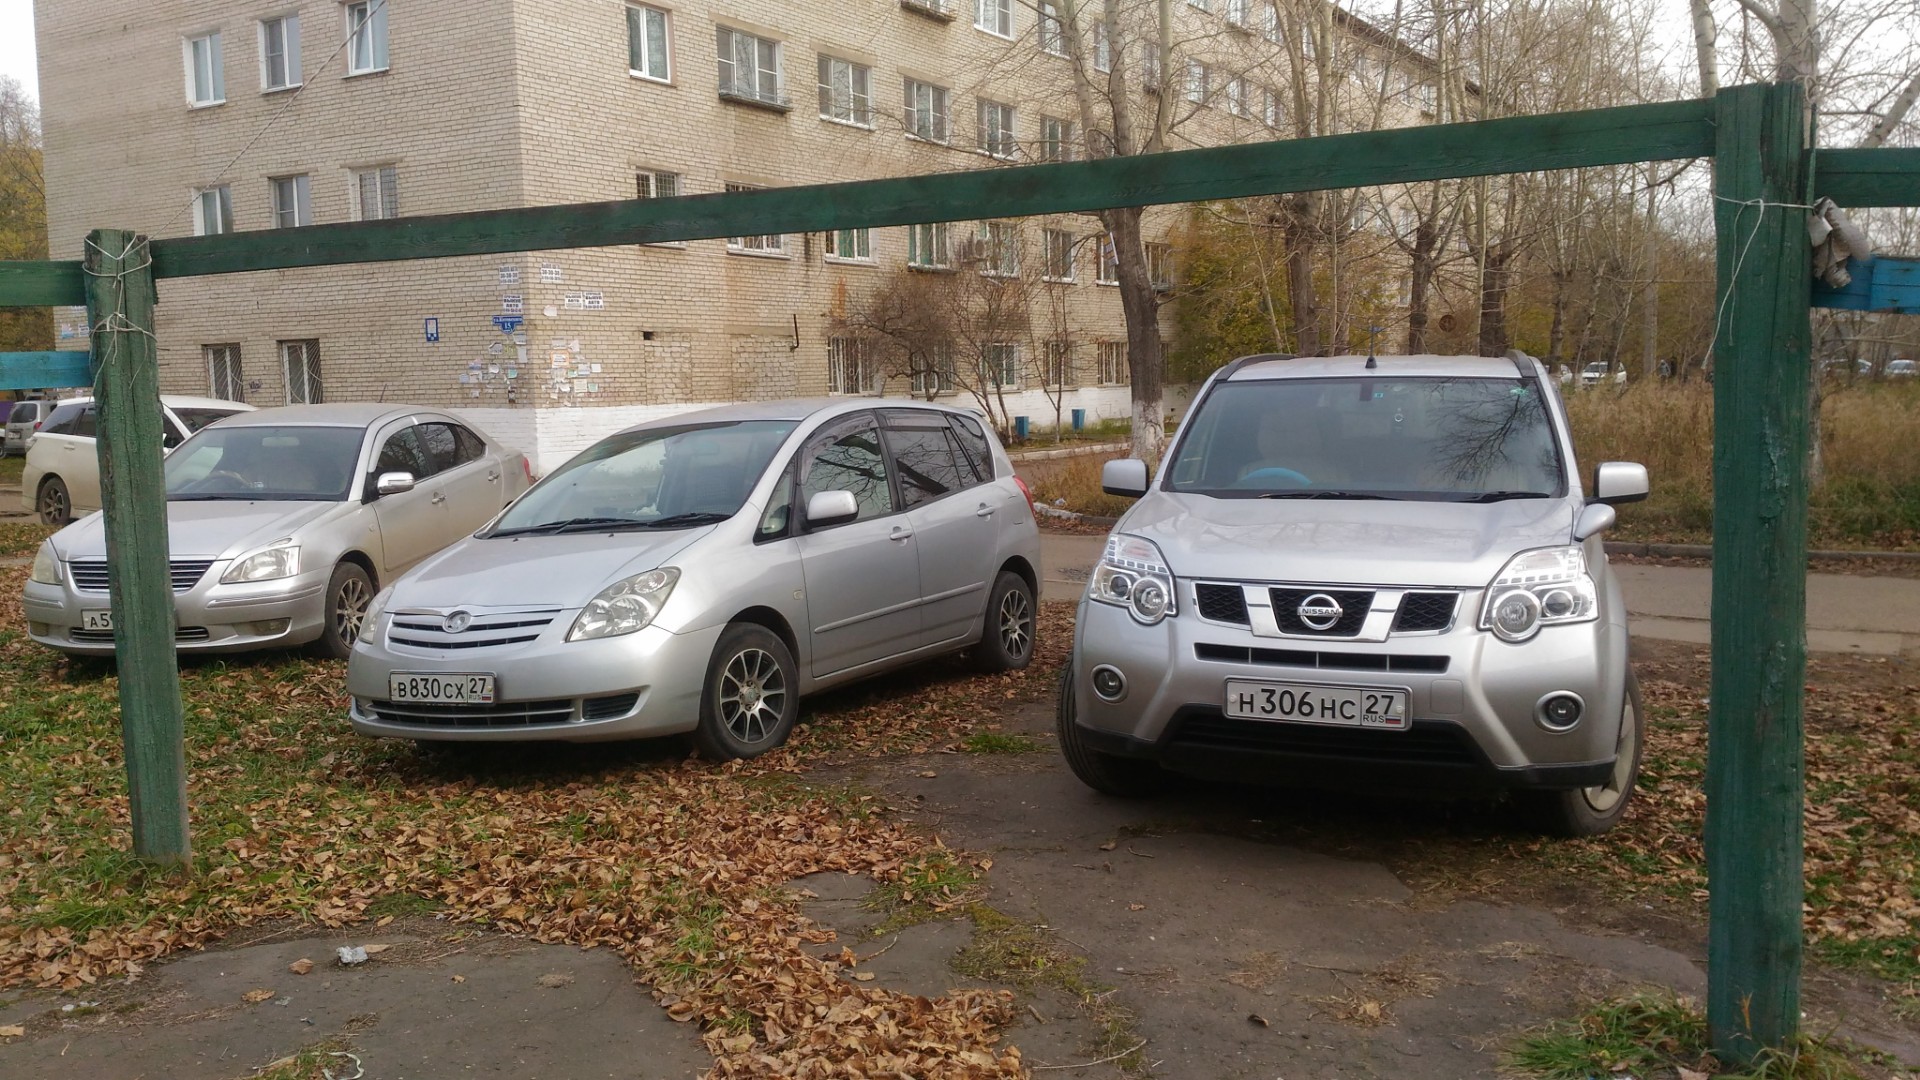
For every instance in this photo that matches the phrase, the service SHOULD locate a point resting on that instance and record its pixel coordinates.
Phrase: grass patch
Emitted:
(12, 466)
(22, 538)
(1074, 484)
(998, 742)
(1656, 1036)
(1006, 950)
(313, 1062)
(925, 887)
(402, 906)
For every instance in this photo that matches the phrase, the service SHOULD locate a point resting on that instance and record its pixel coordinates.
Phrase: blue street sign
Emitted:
(433, 330)
(507, 324)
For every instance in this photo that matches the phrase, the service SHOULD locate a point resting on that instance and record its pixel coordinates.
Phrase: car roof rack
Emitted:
(1527, 366)
(1256, 358)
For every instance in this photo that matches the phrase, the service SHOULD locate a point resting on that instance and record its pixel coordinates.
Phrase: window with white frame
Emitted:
(1110, 360)
(280, 52)
(850, 366)
(927, 246)
(653, 184)
(301, 362)
(1237, 97)
(1059, 254)
(1200, 4)
(1109, 271)
(1150, 68)
(292, 206)
(1235, 12)
(1198, 78)
(846, 91)
(1159, 264)
(1271, 109)
(850, 245)
(1000, 364)
(1102, 46)
(206, 81)
(1053, 38)
(223, 372)
(213, 211)
(934, 373)
(1422, 94)
(376, 193)
(994, 16)
(1056, 139)
(1270, 22)
(647, 53)
(927, 111)
(999, 249)
(1058, 365)
(749, 67)
(770, 244)
(366, 36)
(996, 129)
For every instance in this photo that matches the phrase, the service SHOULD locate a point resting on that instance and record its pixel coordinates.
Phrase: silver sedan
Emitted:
(282, 524)
(699, 574)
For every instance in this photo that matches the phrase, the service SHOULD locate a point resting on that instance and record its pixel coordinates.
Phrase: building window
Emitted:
(1200, 5)
(1160, 264)
(1059, 250)
(1270, 22)
(927, 246)
(1197, 82)
(770, 244)
(1053, 38)
(996, 130)
(846, 91)
(1109, 272)
(749, 68)
(301, 360)
(223, 372)
(1235, 12)
(850, 245)
(926, 111)
(850, 366)
(1056, 139)
(647, 43)
(213, 211)
(366, 37)
(656, 185)
(1102, 46)
(376, 193)
(994, 16)
(1237, 97)
(291, 206)
(936, 373)
(280, 53)
(1270, 110)
(1110, 357)
(206, 83)
(999, 249)
(1059, 364)
(1000, 365)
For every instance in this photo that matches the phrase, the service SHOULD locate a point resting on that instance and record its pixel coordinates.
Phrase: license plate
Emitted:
(1344, 706)
(467, 688)
(96, 620)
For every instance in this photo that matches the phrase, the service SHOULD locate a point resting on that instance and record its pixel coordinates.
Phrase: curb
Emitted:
(1067, 452)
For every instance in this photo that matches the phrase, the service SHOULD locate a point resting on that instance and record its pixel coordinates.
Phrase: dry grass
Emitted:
(1077, 482)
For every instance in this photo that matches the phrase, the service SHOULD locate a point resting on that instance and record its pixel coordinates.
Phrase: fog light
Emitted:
(1559, 712)
(39, 629)
(270, 627)
(1109, 683)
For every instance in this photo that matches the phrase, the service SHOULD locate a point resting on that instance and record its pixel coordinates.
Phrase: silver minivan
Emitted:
(23, 419)
(702, 572)
(1364, 570)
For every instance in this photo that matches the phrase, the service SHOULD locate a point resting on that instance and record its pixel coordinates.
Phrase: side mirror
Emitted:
(393, 483)
(831, 507)
(1616, 482)
(1125, 477)
(1594, 518)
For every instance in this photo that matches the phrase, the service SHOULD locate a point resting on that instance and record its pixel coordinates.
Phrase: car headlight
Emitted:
(625, 606)
(46, 567)
(280, 559)
(376, 608)
(1544, 587)
(1133, 575)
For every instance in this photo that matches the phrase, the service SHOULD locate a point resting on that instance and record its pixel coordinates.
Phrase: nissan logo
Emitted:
(460, 620)
(1319, 611)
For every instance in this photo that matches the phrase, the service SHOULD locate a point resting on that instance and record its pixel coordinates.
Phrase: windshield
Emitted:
(1367, 438)
(195, 419)
(292, 463)
(662, 477)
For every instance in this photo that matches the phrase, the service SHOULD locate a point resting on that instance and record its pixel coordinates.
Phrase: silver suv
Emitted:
(1358, 570)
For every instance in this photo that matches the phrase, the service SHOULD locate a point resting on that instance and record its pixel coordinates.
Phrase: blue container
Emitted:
(1020, 427)
(1079, 419)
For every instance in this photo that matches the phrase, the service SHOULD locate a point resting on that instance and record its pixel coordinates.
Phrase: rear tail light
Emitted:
(1025, 491)
(527, 467)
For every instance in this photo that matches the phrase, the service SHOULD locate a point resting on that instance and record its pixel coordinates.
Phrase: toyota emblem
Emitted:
(460, 620)
(1319, 611)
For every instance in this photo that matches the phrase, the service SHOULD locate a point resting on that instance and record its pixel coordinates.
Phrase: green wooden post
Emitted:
(120, 300)
(1755, 780)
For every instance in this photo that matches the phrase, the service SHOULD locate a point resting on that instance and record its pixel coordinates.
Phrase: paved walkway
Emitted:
(1845, 613)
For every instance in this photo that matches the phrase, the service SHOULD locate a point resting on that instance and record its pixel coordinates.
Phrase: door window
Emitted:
(472, 447)
(64, 418)
(927, 458)
(442, 446)
(401, 453)
(850, 460)
(974, 438)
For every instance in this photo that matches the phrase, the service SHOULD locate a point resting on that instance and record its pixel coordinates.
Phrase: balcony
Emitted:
(937, 10)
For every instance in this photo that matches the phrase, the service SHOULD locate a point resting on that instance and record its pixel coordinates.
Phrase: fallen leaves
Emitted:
(300, 966)
(257, 995)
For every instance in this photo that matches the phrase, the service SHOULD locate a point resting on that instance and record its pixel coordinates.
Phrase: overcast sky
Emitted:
(16, 43)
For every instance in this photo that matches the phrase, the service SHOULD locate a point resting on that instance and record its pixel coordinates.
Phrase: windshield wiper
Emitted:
(566, 525)
(1327, 495)
(683, 521)
(1503, 496)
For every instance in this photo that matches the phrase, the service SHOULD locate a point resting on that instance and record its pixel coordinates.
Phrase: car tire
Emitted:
(1007, 627)
(1593, 810)
(751, 697)
(1127, 778)
(348, 593)
(53, 502)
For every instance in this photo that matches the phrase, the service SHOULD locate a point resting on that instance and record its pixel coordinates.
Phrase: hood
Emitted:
(213, 529)
(1360, 542)
(525, 571)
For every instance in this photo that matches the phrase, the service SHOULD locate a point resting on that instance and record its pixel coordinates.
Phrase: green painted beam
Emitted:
(25, 283)
(33, 370)
(1880, 177)
(1677, 129)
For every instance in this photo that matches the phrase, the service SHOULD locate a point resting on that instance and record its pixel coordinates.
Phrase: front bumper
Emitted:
(208, 616)
(1471, 699)
(638, 685)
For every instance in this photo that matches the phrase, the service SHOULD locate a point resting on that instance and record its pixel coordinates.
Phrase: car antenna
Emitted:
(1371, 362)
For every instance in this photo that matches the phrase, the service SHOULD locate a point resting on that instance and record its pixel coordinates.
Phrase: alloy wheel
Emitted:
(753, 695)
(1016, 624)
(1604, 797)
(53, 504)
(350, 609)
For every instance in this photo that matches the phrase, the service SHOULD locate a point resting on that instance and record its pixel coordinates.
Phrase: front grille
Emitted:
(606, 708)
(1221, 603)
(1425, 611)
(1353, 611)
(1331, 661)
(105, 637)
(428, 631)
(91, 575)
(498, 715)
(1427, 742)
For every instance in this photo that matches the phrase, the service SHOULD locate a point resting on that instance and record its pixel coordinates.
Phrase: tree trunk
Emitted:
(1557, 330)
(1302, 216)
(1422, 259)
(1146, 360)
(1494, 339)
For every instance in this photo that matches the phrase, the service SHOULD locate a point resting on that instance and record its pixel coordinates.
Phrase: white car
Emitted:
(61, 480)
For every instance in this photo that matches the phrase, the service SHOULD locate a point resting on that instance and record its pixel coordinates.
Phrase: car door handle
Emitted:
(438, 498)
(493, 477)
(900, 532)
(984, 511)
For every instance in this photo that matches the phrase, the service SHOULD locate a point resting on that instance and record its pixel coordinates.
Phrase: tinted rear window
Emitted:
(195, 419)
(24, 412)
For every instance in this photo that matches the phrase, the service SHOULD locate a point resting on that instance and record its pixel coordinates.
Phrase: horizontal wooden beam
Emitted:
(1676, 129)
(1879, 177)
(42, 283)
(34, 370)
